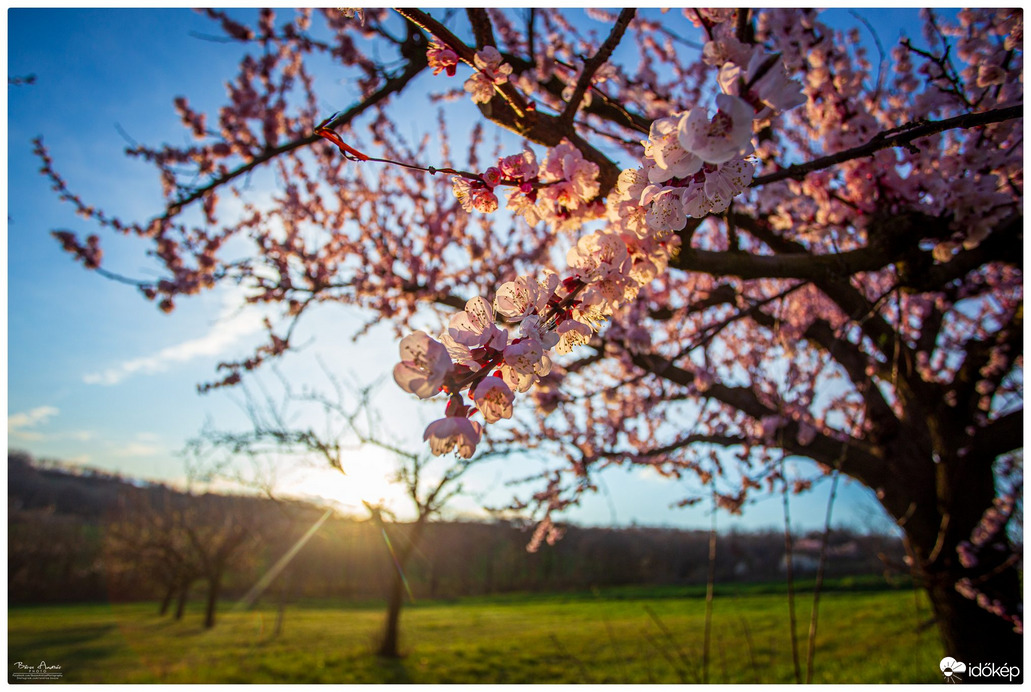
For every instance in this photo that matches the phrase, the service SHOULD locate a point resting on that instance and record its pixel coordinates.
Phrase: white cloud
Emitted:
(233, 324)
(17, 422)
(647, 473)
(79, 459)
(136, 449)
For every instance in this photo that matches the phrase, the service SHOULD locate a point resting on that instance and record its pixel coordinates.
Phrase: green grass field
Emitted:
(634, 635)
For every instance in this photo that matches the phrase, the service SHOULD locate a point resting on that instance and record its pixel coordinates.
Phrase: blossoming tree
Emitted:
(718, 238)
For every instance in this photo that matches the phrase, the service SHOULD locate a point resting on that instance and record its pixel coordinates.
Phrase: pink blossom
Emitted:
(518, 381)
(480, 86)
(570, 179)
(424, 365)
(517, 299)
(440, 57)
(484, 200)
(765, 81)
(990, 75)
(664, 145)
(598, 254)
(490, 71)
(666, 210)
(713, 15)
(494, 399)
(524, 356)
(631, 184)
(572, 333)
(489, 61)
(472, 195)
(533, 328)
(728, 135)
(492, 176)
(725, 50)
(712, 189)
(474, 326)
(521, 166)
(453, 433)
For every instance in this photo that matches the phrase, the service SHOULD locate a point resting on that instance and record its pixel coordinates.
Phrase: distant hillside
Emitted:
(60, 526)
(77, 491)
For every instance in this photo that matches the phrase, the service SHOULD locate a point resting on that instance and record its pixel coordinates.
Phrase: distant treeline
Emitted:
(71, 533)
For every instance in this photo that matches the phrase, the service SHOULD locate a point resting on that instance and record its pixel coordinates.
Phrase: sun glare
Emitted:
(366, 478)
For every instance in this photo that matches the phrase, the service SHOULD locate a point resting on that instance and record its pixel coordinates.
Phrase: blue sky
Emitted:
(98, 376)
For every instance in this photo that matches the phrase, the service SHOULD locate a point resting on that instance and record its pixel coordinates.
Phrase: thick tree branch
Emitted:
(900, 138)
(1002, 435)
(468, 56)
(895, 236)
(679, 443)
(861, 461)
(483, 30)
(592, 65)
(903, 230)
(540, 128)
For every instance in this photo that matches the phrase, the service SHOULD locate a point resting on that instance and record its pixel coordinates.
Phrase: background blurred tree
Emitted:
(222, 534)
(350, 423)
(146, 538)
(859, 304)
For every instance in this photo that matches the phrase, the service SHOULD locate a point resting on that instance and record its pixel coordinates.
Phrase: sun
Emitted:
(367, 477)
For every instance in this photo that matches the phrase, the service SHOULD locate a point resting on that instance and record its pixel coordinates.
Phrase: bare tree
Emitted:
(145, 537)
(350, 424)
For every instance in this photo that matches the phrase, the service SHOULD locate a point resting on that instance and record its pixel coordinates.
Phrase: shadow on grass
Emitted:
(32, 644)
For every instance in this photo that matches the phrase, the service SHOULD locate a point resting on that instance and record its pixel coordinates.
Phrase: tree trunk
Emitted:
(167, 600)
(214, 584)
(391, 631)
(284, 589)
(184, 591)
(972, 634)
(488, 573)
(946, 503)
(388, 647)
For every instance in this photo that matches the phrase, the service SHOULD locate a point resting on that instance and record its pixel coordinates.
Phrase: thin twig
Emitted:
(393, 85)
(880, 51)
(673, 643)
(566, 654)
(811, 646)
(790, 574)
(751, 651)
(710, 583)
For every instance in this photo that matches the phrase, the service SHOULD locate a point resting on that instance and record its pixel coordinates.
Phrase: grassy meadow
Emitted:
(634, 635)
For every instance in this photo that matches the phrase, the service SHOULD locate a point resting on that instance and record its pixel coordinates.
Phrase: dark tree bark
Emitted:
(184, 592)
(214, 586)
(390, 643)
(167, 600)
(956, 496)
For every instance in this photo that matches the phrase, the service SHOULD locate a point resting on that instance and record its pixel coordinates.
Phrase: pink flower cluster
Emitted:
(491, 71)
(473, 354)
(561, 191)
(694, 165)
